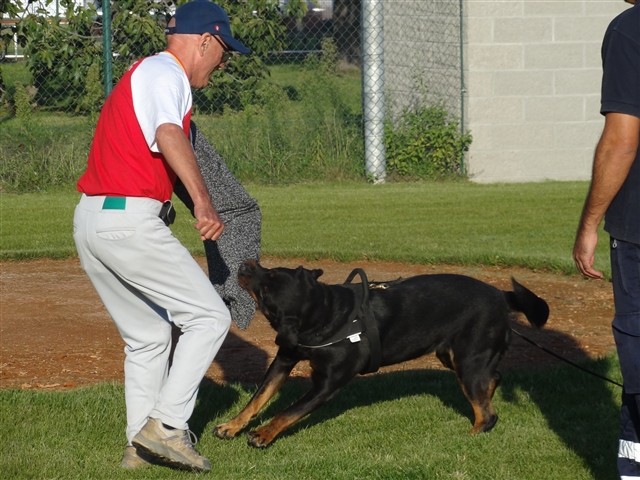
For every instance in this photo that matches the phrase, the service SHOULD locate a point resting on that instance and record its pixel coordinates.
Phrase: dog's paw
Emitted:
(225, 432)
(486, 426)
(256, 440)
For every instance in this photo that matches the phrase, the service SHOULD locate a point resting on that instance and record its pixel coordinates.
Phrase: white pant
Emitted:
(147, 279)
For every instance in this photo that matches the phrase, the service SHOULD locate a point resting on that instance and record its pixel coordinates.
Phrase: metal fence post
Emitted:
(463, 89)
(373, 88)
(106, 47)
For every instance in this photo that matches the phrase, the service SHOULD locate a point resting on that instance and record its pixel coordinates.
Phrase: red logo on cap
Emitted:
(217, 27)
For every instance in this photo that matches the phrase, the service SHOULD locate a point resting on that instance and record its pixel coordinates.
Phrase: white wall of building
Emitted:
(533, 72)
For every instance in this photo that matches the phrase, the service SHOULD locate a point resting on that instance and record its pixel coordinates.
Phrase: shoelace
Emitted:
(189, 438)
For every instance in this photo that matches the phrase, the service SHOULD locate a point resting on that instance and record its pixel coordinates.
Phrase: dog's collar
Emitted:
(351, 330)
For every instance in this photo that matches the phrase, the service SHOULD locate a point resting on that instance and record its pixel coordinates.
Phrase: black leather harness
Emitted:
(360, 322)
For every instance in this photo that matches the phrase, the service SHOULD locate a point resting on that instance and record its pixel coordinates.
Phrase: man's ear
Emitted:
(287, 336)
(205, 43)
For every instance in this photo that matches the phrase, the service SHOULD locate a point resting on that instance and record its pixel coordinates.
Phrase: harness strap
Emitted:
(371, 329)
(350, 330)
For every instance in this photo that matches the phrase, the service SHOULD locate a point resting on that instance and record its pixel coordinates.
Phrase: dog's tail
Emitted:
(521, 299)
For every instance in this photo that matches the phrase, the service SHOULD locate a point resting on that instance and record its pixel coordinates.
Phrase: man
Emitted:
(615, 195)
(145, 277)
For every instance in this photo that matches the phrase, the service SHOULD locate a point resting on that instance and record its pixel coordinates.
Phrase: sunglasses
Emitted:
(227, 53)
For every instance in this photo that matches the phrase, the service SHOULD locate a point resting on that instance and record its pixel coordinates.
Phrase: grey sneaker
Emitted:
(131, 460)
(174, 448)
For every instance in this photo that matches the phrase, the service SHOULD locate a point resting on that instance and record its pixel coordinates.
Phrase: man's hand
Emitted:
(208, 222)
(584, 253)
(615, 153)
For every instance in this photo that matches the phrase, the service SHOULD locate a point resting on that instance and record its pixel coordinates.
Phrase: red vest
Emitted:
(120, 161)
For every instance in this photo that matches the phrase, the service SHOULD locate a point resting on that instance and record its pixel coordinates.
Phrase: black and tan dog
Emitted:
(465, 321)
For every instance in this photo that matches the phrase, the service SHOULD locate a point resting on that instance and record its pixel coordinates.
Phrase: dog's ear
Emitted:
(287, 336)
(300, 271)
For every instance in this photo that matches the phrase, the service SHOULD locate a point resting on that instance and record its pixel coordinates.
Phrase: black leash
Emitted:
(564, 359)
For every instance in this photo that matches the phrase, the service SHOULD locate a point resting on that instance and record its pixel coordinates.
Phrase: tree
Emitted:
(61, 51)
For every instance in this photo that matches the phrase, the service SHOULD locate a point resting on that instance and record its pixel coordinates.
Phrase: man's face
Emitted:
(211, 60)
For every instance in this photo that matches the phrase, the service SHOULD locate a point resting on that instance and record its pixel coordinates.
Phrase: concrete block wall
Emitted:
(532, 78)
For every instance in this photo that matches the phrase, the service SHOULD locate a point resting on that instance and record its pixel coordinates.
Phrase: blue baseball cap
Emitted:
(202, 16)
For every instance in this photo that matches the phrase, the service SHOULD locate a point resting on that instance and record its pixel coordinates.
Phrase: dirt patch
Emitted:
(55, 333)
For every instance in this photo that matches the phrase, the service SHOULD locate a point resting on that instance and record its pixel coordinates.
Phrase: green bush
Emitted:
(22, 103)
(92, 101)
(426, 141)
(8, 9)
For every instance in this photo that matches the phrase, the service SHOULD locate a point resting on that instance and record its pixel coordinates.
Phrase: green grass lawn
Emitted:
(531, 225)
(555, 423)
(409, 425)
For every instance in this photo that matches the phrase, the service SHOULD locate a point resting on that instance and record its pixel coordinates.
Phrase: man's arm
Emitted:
(614, 155)
(177, 150)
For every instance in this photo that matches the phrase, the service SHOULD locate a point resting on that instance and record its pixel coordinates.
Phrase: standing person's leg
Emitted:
(136, 248)
(629, 443)
(625, 272)
(143, 326)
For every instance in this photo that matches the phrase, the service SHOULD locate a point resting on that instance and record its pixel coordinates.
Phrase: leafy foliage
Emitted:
(259, 25)
(62, 51)
(426, 140)
(22, 102)
(94, 97)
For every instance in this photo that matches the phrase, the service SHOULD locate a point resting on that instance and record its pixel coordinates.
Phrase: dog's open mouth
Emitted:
(246, 273)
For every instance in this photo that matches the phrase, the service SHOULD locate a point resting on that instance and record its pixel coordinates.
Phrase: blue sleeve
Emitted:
(621, 73)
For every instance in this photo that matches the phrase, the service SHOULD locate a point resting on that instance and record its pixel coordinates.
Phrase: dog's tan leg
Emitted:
(263, 436)
(276, 375)
(480, 398)
(479, 388)
(323, 390)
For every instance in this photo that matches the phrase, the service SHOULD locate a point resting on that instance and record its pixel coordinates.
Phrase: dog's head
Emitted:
(282, 295)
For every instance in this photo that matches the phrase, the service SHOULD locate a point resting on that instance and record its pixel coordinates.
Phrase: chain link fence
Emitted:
(395, 83)
(424, 80)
